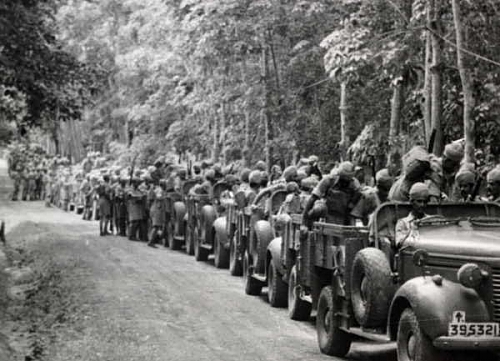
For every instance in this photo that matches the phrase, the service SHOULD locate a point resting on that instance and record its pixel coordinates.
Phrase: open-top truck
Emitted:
(254, 240)
(437, 295)
(177, 222)
(203, 211)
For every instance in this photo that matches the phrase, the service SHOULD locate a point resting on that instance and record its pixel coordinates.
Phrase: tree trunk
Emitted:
(436, 69)
(344, 142)
(427, 105)
(396, 105)
(246, 145)
(466, 83)
(222, 137)
(267, 108)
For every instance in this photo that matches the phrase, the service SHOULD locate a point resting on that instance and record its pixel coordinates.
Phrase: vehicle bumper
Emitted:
(467, 343)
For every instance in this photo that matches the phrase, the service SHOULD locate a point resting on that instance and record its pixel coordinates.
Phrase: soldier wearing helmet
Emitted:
(406, 228)
(104, 193)
(244, 179)
(136, 201)
(493, 186)
(341, 192)
(465, 181)
(158, 213)
(261, 165)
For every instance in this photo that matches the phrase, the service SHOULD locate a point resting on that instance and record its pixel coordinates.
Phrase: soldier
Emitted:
(180, 179)
(121, 207)
(104, 193)
(136, 204)
(406, 228)
(158, 213)
(493, 179)
(416, 168)
(276, 173)
(341, 192)
(450, 163)
(244, 174)
(465, 181)
(15, 174)
(373, 197)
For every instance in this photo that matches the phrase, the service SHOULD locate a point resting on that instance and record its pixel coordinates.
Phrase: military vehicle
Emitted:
(179, 219)
(438, 295)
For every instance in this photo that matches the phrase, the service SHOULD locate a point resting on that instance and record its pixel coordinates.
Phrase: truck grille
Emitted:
(495, 293)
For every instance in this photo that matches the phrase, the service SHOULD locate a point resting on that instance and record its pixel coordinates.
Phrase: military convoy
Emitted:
(435, 297)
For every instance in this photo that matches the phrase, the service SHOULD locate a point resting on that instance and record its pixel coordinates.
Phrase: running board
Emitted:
(370, 335)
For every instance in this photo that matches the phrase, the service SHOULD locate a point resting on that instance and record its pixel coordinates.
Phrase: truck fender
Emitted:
(221, 231)
(434, 305)
(179, 211)
(263, 237)
(179, 217)
(274, 255)
(208, 216)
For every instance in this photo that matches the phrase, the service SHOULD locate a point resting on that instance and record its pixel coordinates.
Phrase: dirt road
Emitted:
(138, 303)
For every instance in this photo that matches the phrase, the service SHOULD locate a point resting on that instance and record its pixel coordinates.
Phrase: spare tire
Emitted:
(372, 287)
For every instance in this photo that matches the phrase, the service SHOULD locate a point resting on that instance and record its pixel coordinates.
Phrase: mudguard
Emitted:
(274, 254)
(179, 216)
(434, 305)
(208, 216)
(263, 236)
(221, 231)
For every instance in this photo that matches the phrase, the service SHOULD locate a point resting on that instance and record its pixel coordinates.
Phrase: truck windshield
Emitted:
(437, 220)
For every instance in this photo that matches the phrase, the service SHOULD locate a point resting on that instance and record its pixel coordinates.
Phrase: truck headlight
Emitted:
(471, 275)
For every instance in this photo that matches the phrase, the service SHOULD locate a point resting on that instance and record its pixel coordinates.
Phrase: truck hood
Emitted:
(458, 240)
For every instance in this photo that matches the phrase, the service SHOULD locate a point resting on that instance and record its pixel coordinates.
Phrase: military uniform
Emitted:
(136, 201)
(339, 201)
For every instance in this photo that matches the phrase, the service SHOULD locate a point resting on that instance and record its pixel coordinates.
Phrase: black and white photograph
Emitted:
(249, 180)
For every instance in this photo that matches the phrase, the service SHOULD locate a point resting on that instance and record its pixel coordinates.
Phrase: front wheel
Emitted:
(235, 266)
(331, 339)
(298, 309)
(277, 289)
(413, 344)
(200, 253)
(252, 286)
(221, 254)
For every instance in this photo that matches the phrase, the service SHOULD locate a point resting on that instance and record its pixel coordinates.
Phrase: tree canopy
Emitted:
(229, 78)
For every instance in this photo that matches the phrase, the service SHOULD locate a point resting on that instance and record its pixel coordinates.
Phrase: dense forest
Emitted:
(242, 79)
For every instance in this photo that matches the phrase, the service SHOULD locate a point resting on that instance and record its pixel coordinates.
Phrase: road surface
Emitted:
(145, 304)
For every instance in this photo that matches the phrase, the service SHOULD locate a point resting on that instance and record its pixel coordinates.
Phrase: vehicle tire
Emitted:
(331, 339)
(235, 266)
(221, 254)
(263, 236)
(252, 286)
(372, 287)
(200, 253)
(298, 309)
(413, 344)
(208, 217)
(178, 218)
(277, 289)
(189, 240)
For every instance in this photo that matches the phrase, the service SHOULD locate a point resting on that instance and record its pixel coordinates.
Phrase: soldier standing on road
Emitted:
(158, 213)
(136, 204)
(121, 207)
(341, 192)
(104, 193)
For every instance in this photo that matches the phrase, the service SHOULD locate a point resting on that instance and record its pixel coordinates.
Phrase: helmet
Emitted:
(255, 177)
(261, 165)
(244, 174)
(290, 173)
